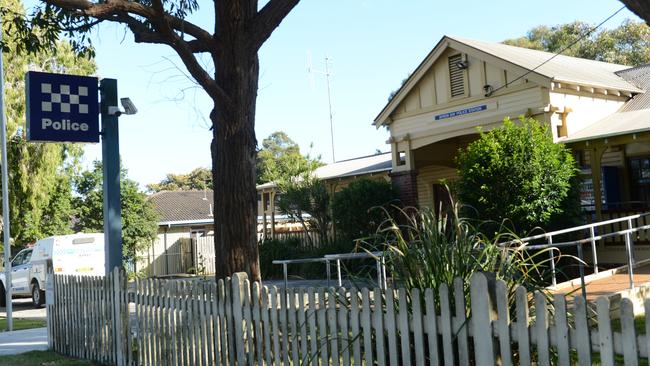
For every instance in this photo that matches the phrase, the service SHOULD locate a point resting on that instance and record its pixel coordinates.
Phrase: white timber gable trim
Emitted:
(448, 47)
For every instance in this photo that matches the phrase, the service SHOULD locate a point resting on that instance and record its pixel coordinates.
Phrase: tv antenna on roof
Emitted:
(327, 74)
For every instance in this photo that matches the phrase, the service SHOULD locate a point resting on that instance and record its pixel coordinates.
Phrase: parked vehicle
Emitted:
(76, 254)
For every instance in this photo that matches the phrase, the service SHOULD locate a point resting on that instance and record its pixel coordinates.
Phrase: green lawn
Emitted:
(22, 324)
(42, 358)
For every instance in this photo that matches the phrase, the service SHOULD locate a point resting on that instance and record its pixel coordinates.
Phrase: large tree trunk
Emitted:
(234, 146)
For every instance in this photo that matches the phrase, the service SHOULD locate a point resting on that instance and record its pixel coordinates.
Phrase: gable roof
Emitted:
(561, 68)
(183, 206)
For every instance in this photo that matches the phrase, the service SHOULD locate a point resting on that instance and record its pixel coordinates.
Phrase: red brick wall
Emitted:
(406, 185)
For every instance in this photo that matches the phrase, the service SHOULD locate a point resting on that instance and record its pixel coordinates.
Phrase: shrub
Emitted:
(518, 174)
(352, 207)
(292, 248)
(271, 250)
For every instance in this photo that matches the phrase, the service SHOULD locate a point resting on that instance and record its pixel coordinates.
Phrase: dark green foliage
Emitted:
(139, 219)
(271, 250)
(627, 44)
(518, 174)
(307, 195)
(356, 207)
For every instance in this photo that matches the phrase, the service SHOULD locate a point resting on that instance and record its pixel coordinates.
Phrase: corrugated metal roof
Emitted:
(619, 123)
(364, 165)
(561, 68)
(639, 76)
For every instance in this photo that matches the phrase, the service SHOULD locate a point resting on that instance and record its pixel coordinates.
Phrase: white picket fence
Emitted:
(182, 322)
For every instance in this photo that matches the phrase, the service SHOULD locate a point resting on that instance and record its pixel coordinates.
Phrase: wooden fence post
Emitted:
(49, 305)
(238, 280)
(118, 340)
(481, 320)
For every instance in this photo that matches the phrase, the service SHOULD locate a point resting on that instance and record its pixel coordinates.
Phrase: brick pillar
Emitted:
(407, 186)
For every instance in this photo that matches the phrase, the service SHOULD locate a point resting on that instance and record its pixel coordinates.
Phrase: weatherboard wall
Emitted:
(423, 128)
(586, 108)
(427, 177)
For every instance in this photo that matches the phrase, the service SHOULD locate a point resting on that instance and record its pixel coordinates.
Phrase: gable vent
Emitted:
(456, 76)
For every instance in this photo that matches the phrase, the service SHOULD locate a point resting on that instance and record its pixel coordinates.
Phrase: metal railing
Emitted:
(286, 262)
(379, 257)
(591, 239)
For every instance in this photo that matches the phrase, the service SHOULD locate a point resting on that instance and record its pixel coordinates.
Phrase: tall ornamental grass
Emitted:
(425, 250)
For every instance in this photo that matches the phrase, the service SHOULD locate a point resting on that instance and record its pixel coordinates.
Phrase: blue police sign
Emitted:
(62, 108)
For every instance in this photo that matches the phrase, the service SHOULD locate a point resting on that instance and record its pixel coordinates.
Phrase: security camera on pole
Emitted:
(66, 108)
(111, 170)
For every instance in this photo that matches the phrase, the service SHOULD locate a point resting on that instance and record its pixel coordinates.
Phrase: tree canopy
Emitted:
(627, 44)
(139, 219)
(221, 59)
(197, 179)
(517, 174)
(280, 159)
(39, 174)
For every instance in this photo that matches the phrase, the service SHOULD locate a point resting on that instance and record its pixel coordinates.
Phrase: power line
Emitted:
(562, 50)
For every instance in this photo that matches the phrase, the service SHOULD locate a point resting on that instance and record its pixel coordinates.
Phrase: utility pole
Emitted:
(5, 198)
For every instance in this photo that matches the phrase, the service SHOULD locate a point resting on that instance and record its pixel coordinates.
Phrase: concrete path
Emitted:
(608, 285)
(21, 341)
(23, 309)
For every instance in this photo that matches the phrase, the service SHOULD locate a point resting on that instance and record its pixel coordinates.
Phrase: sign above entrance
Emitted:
(461, 112)
(62, 108)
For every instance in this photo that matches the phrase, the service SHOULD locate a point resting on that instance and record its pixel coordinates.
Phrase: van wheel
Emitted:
(38, 296)
(3, 296)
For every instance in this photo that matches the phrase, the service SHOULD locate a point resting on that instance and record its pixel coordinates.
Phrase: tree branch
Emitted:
(268, 19)
(106, 9)
(122, 11)
(184, 51)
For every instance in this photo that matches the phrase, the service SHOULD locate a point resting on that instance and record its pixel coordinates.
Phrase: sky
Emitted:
(372, 44)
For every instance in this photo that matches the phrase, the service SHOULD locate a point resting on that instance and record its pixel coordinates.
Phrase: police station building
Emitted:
(600, 110)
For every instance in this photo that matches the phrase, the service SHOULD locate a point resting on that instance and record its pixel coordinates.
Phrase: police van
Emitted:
(77, 254)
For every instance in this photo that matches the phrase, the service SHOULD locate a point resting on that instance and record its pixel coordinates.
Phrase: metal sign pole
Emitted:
(5, 196)
(111, 176)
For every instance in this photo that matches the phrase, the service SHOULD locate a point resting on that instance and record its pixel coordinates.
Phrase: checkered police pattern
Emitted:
(64, 99)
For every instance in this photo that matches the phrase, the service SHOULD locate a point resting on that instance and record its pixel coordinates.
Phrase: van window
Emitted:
(18, 259)
(22, 258)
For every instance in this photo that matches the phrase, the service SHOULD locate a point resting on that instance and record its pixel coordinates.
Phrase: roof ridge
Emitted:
(358, 158)
(525, 49)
